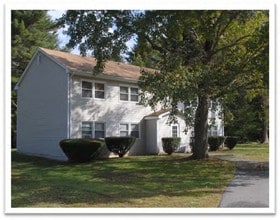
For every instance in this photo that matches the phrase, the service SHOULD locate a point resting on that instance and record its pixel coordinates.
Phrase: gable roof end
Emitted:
(39, 50)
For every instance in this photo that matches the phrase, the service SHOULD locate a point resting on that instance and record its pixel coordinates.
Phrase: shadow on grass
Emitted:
(126, 182)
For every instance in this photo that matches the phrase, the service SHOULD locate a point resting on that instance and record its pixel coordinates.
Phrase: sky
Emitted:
(62, 38)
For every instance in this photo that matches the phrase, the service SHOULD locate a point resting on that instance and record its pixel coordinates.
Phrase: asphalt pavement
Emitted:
(250, 186)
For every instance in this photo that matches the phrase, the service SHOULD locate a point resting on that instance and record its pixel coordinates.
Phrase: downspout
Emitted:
(69, 89)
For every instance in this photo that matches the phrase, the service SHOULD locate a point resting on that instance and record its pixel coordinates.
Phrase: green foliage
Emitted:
(119, 145)
(215, 142)
(231, 141)
(81, 150)
(201, 55)
(170, 144)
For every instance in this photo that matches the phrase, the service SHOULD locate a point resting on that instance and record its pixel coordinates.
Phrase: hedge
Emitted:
(119, 145)
(215, 142)
(170, 144)
(231, 141)
(82, 149)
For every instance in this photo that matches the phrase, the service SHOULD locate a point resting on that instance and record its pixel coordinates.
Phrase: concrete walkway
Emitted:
(250, 186)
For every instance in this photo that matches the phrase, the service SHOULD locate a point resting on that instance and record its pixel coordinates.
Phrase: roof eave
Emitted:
(104, 76)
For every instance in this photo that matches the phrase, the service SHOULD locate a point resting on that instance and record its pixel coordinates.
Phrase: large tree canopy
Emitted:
(200, 55)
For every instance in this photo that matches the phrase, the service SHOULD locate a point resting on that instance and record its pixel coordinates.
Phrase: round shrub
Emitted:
(231, 141)
(82, 149)
(119, 145)
(215, 142)
(170, 144)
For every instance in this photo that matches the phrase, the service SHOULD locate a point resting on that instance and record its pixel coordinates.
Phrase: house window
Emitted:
(99, 130)
(129, 94)
(174, 130)
(213, 131)
(134, 94)
(134, 130)
(86, 89)
(86, 129)
(124, 93)
(99, 90)
(124, 130)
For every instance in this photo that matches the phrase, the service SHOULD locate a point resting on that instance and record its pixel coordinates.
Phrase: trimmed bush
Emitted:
(231, 141)
(119, 145)
(170, 144)
(82, 149)
(215, 142)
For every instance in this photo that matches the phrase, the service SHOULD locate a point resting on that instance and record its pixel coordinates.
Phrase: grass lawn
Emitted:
(258, 152)
(143, 181)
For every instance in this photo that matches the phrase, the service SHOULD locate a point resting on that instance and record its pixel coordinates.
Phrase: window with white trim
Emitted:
(124, 130)
(129, 94)
(86, 89)
(134, 94)
(86, 129)
(213, 131)
(99, 130)
(124, 94)
(90, 129)
(130, 129)
(99, 90)
(174, 129)
(134, 130)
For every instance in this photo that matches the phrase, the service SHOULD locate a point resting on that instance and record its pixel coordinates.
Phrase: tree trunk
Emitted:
(265, 101)
(265, 139)
(200, 149)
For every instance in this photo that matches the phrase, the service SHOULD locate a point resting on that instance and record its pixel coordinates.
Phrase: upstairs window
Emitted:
(124, 93)
(129, 94)
(99, 90)
(134, 94)
(86, 89)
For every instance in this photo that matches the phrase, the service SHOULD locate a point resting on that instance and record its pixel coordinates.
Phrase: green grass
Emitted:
(143, 181)
(258, 152)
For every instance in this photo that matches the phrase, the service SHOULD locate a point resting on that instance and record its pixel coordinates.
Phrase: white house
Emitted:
(59, 97)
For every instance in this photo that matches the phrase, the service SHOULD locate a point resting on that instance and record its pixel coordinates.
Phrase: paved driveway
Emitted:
(248, 189)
